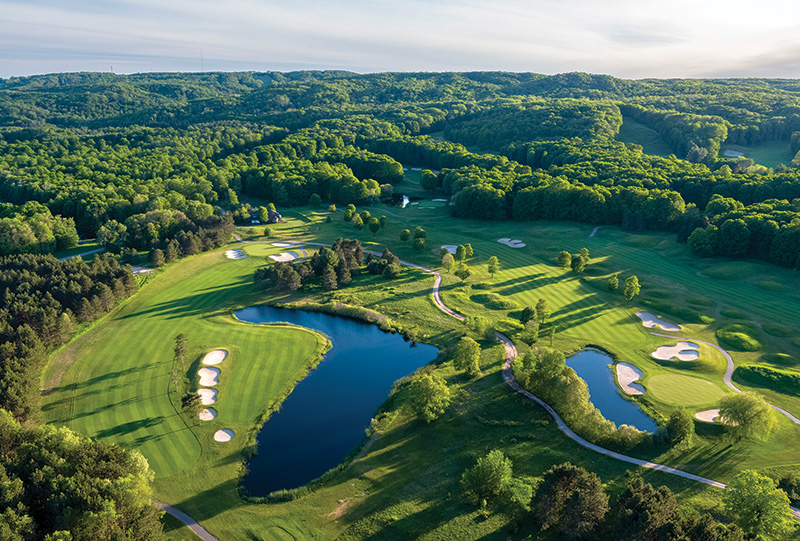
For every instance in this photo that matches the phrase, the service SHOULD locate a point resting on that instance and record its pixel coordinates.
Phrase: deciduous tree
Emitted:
(758, 505)
(429, 396)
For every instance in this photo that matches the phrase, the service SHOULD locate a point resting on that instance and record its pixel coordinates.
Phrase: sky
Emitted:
(625, 38)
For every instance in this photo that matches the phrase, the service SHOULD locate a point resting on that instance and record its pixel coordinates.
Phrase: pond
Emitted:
(324, 418)
(594, 366)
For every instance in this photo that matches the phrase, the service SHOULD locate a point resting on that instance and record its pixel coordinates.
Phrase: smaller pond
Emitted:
(594, 366)
(325, 416)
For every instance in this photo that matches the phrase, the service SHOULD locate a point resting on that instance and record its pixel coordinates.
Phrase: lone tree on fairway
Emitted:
(419, 244)
(468, 251)
(613, 283)
(632, 288)
(420, 233)
(572, 501)
(374, 224)
(405, 234)
(488, 478)
(429, 396)
(542, 310)
(463, 273)
(758, 505)
(468, 356)
(267, 232)
(447, 261)
(493, 265)
(181, 349)
(358, 223)
(680, 428)
(192, 404)
(564, 259)
(461, 253)
(578, 263)
(528, 313)
(747, 416)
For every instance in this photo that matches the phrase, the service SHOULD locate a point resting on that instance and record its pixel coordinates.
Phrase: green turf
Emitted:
(683, 390)
(768, 154)
(82, 248)
(395, 490)
(175, 530)
(119, 390)
(639, 134)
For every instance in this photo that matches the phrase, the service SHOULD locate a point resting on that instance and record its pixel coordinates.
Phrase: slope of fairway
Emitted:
(683, 390)
(768, 153)
(639, 134)
(118, 389)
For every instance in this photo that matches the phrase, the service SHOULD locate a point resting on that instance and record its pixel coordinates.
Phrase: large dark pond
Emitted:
(593, 366)
(325, 416)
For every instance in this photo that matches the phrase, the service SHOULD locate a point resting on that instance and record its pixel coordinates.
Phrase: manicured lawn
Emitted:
(768, 154)
(405, 481)
(637, 133)
(683, 390)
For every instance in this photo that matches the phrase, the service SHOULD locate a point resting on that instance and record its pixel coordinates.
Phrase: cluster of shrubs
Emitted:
(332, 267)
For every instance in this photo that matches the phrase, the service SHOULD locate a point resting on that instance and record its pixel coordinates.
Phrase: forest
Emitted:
(166, 164)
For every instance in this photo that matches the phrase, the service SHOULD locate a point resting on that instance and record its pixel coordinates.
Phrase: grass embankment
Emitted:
(639, 134)
(395, 488)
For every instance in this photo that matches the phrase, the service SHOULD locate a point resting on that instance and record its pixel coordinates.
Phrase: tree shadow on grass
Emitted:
(97, 379)
(193, 305)
(131, 426)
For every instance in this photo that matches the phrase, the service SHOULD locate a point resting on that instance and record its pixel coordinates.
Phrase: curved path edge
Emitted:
(186, 519)
(508, 379)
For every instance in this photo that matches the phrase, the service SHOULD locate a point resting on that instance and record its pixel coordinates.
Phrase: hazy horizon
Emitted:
(624, 38)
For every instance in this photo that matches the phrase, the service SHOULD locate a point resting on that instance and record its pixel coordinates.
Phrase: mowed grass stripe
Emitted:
(117, 390)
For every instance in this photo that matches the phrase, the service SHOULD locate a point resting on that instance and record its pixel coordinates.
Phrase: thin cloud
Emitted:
(629, 38)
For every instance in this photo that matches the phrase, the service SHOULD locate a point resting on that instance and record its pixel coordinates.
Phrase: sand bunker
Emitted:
(235, 254)
(215, 357)
(683, 351)
(226, 434)
(709, 416)
(285, 256)
(415, 203)
(511, 243)
(283, 244)
(626, 375)
(140, 270)
(733, 153)
(208, 376)
(650, 321)
(439, 200)
(450, 248)
(207, 414)
(207, 396)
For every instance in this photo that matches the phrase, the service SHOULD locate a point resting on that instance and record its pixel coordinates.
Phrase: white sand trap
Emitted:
(140, 270)
(511, 243)
(626, 375)
(283, 244)
(215, 357)
(450, 248)
(709, 416)
(415, 203)
(285, 256)
(235, 254)
(650, 321)
(439, 200)
(226, 434)
(733, 153)
(207, 414)
(208, 376)
(416, 168)
(207, 396)
(683, 351)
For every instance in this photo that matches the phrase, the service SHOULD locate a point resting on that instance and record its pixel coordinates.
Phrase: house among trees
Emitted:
(259, 215)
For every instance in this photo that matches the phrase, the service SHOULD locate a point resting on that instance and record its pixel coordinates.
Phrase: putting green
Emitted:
(683, 390)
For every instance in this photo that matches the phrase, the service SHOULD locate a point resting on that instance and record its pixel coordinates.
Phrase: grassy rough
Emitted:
(740, 336)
